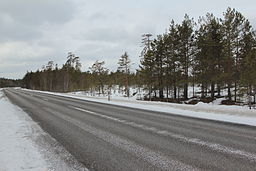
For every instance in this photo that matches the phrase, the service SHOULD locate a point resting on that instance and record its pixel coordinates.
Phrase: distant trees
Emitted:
(70, 77)
(71, 72)
(51, 78)
(4, 82)
(100, 73)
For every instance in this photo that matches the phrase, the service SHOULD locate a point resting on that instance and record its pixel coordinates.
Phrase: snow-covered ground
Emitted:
(25, 146)
(212, 111)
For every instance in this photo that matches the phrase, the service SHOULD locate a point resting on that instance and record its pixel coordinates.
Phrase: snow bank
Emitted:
(232, 114)
(18, 147)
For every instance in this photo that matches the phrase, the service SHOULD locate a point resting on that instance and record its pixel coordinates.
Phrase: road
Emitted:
(109, 137)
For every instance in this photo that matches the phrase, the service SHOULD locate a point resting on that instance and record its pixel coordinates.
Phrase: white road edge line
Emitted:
(212, 146)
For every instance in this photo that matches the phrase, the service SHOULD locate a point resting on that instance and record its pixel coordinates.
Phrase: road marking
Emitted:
(212, 146)
(157, 159)
(83, 110)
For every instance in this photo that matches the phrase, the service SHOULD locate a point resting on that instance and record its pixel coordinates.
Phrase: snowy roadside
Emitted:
(232, 114)
(25, 146)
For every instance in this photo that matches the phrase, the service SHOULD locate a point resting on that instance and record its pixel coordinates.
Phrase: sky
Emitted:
(33, 32)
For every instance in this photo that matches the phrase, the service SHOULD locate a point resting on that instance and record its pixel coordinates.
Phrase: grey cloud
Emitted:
(18, 70)
(107, 34)
(9, 32)
(34, 12)
(22, 19)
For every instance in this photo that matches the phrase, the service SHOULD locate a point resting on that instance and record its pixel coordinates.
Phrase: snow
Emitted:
(218, 101)
(23, 145)
(211, 111)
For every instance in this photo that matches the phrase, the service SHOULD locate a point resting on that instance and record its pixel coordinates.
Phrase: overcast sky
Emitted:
(32, 32)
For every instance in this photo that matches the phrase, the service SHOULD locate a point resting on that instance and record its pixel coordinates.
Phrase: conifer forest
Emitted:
(214, 57)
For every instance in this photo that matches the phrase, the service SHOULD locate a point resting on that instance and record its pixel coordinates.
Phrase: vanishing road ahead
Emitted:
(108, 137)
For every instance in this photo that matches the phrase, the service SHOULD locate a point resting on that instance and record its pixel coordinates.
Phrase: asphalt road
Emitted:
(109, 137)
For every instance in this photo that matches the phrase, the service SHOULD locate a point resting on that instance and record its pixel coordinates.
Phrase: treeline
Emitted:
(4, 82)
(69, 77)
(216, 54)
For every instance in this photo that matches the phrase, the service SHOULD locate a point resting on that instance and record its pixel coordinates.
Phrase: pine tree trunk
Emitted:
(175, 91)
(212, 90)
(167, 93)
(235, 91)
(99, 90)
(202, 91)
(193, 89)
(127, 83)
(150, 90)
(185, 91)
(218, 89)
(161, 94)
(229, 92)
(178, 93)
(161, 91)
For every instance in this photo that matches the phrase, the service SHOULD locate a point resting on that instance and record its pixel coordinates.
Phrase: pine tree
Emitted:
(171, 60)
(207, 63)
(232, 27)
(158, 51)
(124, 66)
(248, 60)
(186, 50)
(147, 63)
